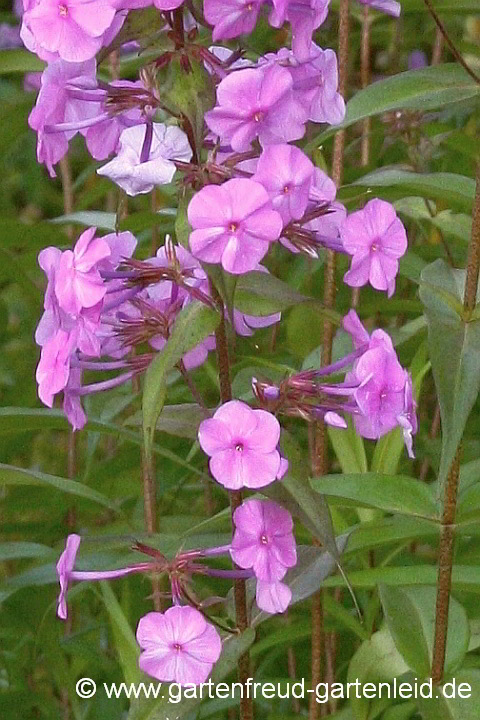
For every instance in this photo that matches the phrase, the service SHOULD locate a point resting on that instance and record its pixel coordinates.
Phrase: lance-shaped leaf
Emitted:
(425, 89)
(193, 324)
(454, 348)
(414, 640)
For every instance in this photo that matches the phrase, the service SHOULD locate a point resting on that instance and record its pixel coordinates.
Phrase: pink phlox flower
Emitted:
(231, 18)
(263, 539)
(273, 597)
(178, 645)
(286, 173)
(72, 405)
(304, 16)
(242, 445)
(78, 283)
(55, 105)
(233, 224)
(380, 395)
(53, 368)
(257, 103)
(391, 7)
(167, 290)
(376, 238)
(72, 28)
(137, 176)
(65, 566)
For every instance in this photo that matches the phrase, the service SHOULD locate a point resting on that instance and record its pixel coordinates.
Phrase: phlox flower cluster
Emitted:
(248, 187)
(100, 304)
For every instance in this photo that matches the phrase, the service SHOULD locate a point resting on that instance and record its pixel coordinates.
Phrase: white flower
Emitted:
(135, 177)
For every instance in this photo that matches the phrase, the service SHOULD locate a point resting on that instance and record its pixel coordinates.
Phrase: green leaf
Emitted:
(180, 420)
(166, 709)
(455, 190)
(349, 449)
(414, 640)
(376, 659)
(465, 577)
(454, 348)
(19, 60)
(260, 294)
(424, 89)
(17, 550)
(17, 420)
(392, 493)
(10, 475)
(126, 646)
(192, 325)
(191, 92)
(95, 218)
(446, 703)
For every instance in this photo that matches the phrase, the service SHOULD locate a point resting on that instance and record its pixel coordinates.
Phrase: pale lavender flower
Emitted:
(242, 445)
(178, 645)
(376, 238)
(390, 7)
(263, 539)
(417, 59)
(233, 224)
(257, 103)
(145, 160)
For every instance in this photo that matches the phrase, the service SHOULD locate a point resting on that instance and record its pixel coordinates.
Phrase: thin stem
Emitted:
(193, 388)
(365, 80)
(239, 588)
(438, 47)
(150, 516)
(445, 559)
(319, 451)
(450, 42)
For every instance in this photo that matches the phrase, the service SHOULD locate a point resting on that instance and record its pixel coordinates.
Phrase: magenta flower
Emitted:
(231, 18)
(78, 283)
(376, 238)
(242, 445)
(65, 566)
(273, 597)
(233, 224)
(178, 645)
(257, 103)
(72, 28)
(145, 160)
(286, 173)
(315, 82)
(304, 16)
(263, 539)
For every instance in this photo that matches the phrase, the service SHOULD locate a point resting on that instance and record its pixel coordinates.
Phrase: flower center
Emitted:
(374, 247)
(286, 189)
(63, 10)
(176, 646)
(239, 447)
(264, 539)
(233, 227)
(258, 117)
(250, 6)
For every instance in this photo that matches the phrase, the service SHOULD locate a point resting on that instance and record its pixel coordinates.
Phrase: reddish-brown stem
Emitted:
(365, 80)
(447, 539)
(438, 47)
